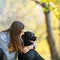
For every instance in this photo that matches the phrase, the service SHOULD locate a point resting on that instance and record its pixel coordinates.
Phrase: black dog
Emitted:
(28, 37)
(32, 54)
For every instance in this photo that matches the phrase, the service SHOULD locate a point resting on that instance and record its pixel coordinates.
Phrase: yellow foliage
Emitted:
(43, 49)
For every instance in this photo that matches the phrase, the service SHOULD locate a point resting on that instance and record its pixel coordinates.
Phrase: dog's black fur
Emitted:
(28, 37)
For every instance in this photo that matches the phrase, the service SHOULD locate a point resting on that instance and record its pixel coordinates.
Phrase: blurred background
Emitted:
(39, 16)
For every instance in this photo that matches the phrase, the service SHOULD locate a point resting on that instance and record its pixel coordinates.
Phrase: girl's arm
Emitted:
(4, 47)
(28, 48)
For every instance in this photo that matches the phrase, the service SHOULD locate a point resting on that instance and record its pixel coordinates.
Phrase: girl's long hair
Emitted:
(15, 36)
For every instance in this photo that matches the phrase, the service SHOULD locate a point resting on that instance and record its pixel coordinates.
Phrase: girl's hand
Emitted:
(27, 48)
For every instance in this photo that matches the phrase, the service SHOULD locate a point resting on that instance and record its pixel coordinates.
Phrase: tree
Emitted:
(50, 37)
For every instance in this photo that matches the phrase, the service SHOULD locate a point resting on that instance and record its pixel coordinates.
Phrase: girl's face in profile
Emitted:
(22, 32)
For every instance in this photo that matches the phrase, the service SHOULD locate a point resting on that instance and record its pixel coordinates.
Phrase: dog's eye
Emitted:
(32, 34)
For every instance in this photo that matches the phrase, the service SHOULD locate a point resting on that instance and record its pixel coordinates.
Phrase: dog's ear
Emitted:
(24, 36)
(27, 35)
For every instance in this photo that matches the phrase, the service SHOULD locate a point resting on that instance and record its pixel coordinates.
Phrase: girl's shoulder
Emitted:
(3, 36)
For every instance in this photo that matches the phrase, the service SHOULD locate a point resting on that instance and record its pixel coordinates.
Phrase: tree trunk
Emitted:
(50, 38)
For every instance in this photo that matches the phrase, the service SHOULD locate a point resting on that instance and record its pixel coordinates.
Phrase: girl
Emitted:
(11, 42)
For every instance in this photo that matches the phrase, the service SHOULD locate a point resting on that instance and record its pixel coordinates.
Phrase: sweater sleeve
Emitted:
(4, 46)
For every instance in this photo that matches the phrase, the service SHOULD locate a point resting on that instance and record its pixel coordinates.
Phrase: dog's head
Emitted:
(28, 37)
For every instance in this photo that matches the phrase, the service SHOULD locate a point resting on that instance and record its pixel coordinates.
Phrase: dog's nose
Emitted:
(34, 38)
